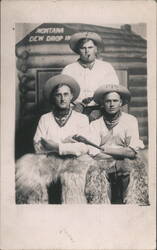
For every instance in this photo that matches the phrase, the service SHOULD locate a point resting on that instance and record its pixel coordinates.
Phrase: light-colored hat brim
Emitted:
(107, 88)
(54, 81)
(75, 38)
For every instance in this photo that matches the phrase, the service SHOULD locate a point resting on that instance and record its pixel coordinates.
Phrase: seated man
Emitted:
(117, 135)
(58, 155)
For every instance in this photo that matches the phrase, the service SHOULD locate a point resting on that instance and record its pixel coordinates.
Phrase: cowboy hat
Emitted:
(54, 81)
(75, 38)
(108, 88)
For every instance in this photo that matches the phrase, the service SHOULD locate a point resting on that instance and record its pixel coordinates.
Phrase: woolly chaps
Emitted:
(83, 179)
(35, 173)
(99, 191)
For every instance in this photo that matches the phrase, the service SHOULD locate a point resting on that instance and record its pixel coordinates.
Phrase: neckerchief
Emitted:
(111, 120)
(62, 116)
(86, 65)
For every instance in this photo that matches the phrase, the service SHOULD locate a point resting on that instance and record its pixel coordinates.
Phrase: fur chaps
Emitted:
(137, 191)
(98, 186)
(83, 179)
(34, 174)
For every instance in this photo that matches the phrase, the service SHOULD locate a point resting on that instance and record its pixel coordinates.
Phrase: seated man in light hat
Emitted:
(117, 134)
(63, 122)
(58, 155)
(88, 71)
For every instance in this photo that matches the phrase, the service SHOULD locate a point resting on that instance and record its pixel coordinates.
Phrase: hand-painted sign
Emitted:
(48, 33)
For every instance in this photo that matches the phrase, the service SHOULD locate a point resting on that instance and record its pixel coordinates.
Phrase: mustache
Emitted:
(63, 102)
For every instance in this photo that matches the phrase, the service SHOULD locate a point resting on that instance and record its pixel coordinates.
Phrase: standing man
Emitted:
(88, 71)
(117, 134)
(58, 155)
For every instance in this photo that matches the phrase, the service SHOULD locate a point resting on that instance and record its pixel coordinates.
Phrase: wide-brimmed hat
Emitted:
(108, 88)
(75, 38)
(61, 79)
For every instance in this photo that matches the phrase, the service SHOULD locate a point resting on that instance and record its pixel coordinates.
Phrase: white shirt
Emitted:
(90, 79)
(125, 133)
(49, 129)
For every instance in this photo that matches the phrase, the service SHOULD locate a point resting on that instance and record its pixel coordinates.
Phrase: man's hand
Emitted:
(103, 156)
(69, 139)
(114, 151)
(79, 107)
(86, 101)
(50, 145)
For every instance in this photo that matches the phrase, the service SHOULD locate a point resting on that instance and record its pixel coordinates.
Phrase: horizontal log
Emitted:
(21, 53)
(64, 49)
(139, 66)
(138, 112)
(22, 67)
(23, 80)
(46, 49)
(30, 74)
(122, 43)
(19, 62)
(138, 77)
(30, 85)
(143, 120)
(136, 55)
(22, 90)
(123, 59)
(137, 71)
(120, 32)
(143, 131)
(136, 80)
(125, 49)
(138, 91)
(139, 109)
(143, 126)
(122, 35)
(143, 123)
(138, 99)
(26, 86)
(141, 103)
(50, 61)
(60, 61)
(42, 61)
(137, 88)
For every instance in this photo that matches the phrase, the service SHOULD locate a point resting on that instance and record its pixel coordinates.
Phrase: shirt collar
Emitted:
(86, 65)
(63, 117)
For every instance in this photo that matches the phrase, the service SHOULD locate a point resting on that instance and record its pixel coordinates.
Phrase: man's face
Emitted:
(112, 102)
(62, 97)
(87, 51)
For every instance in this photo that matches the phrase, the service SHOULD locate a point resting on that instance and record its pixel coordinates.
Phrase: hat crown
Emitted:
(76, 37)
(54, 81)
(108, 88)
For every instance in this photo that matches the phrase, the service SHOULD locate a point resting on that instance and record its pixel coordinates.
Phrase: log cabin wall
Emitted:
(45, 51)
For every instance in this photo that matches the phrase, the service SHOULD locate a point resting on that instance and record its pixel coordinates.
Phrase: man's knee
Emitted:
(32, 179)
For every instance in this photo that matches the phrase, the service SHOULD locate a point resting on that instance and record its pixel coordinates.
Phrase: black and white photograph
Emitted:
(82, 118)
(78, 125)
